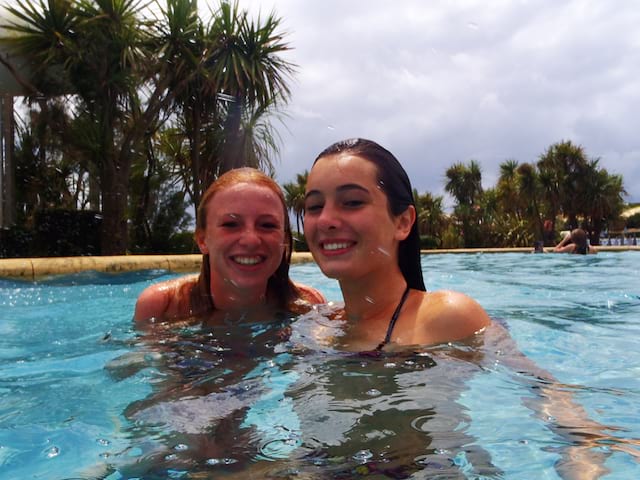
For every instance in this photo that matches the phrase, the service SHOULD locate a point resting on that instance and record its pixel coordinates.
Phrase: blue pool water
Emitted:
(84, 394)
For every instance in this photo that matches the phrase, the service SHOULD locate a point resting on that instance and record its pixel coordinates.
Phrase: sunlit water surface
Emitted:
(83, 394)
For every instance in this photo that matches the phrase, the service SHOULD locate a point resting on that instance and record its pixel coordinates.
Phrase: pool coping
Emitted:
(36, 268)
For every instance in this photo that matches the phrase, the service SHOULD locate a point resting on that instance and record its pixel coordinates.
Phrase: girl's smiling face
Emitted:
(348, 225)
(244, 237)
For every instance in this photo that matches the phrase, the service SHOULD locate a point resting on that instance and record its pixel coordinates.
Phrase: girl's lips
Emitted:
(248, 260)
(336, 246)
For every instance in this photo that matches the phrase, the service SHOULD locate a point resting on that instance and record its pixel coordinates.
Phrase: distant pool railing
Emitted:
(32, 269)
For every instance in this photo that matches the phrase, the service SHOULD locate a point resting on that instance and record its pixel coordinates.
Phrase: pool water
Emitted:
(84, 394)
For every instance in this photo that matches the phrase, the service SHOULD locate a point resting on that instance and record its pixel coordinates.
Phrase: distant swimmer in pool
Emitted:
(244, 235)
(575, 242)
(360, 225)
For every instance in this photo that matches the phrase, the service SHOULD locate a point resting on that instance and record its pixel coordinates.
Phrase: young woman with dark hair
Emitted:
(360, 225)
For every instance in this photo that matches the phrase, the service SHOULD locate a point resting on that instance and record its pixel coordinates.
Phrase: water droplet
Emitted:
(220, 461)
(103, 441)
(390, 365)
(53, 452)
(363, 456)
(373, 392)
(181, 447)
(171, 456)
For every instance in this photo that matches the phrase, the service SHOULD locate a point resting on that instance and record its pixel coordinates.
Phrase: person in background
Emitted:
(575, 242)
(244, 234)
(548, 234)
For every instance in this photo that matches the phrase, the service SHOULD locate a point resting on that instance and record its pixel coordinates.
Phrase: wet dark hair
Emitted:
(579, 238)
(395, 183)
(280, 289)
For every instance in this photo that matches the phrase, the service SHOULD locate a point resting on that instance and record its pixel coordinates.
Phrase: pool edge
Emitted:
(35, 268)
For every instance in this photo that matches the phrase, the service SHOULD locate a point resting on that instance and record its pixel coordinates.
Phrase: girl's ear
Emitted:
(199, 237)
(404, 222)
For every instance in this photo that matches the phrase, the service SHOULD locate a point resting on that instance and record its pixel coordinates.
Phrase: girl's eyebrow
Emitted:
(340, 189)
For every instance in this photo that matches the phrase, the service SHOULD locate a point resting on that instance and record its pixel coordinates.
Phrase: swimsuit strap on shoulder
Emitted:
(394, 319)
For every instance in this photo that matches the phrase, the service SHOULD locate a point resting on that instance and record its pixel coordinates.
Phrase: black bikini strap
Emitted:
(394, 319)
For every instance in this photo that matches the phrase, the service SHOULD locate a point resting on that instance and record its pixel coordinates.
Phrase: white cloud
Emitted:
(441, 82)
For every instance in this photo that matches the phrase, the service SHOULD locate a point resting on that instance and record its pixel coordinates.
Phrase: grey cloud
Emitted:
(441, 82)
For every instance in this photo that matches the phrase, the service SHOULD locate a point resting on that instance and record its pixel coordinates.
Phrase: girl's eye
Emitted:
(229, 224)
(353, 203)
(270, 226)
(312, 208)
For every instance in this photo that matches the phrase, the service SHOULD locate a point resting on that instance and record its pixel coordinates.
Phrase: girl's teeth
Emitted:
(247, 260)
(335, 246)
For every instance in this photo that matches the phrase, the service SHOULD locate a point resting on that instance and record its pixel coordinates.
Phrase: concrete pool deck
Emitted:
(32, 269)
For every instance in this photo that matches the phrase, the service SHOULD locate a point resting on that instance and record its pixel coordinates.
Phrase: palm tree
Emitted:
(464, 183)
(294, 196)
(228, 81)
(602, 199)
(529, 186)
(561, 168)
(507, 190)
(431, 218)
(245, 65)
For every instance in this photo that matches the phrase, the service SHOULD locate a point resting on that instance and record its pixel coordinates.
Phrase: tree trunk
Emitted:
(7, 167)
(114, 235)
(231, 151)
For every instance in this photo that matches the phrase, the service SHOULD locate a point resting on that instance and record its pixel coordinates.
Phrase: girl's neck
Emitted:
(227, 298)
(370, 300)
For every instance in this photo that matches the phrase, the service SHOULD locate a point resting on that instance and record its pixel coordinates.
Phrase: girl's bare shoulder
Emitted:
(164, 299)
(449, 315)
(310, 294)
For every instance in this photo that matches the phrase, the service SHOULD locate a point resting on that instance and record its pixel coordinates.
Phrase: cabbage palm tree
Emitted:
(507, 189)
(602, 195)
(431, 218)
(464, 183)
(530, 187)
(294, 196)
(245, 65)
(561, 169)
(228, 81)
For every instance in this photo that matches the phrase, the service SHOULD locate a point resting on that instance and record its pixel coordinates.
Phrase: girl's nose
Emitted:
(250, 236)
(328, 218)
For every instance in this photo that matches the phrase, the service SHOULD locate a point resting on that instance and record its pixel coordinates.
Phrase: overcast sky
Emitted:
(440, 81)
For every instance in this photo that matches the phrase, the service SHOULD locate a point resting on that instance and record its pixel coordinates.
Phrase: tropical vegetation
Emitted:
(131, 112)
(135, 108)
